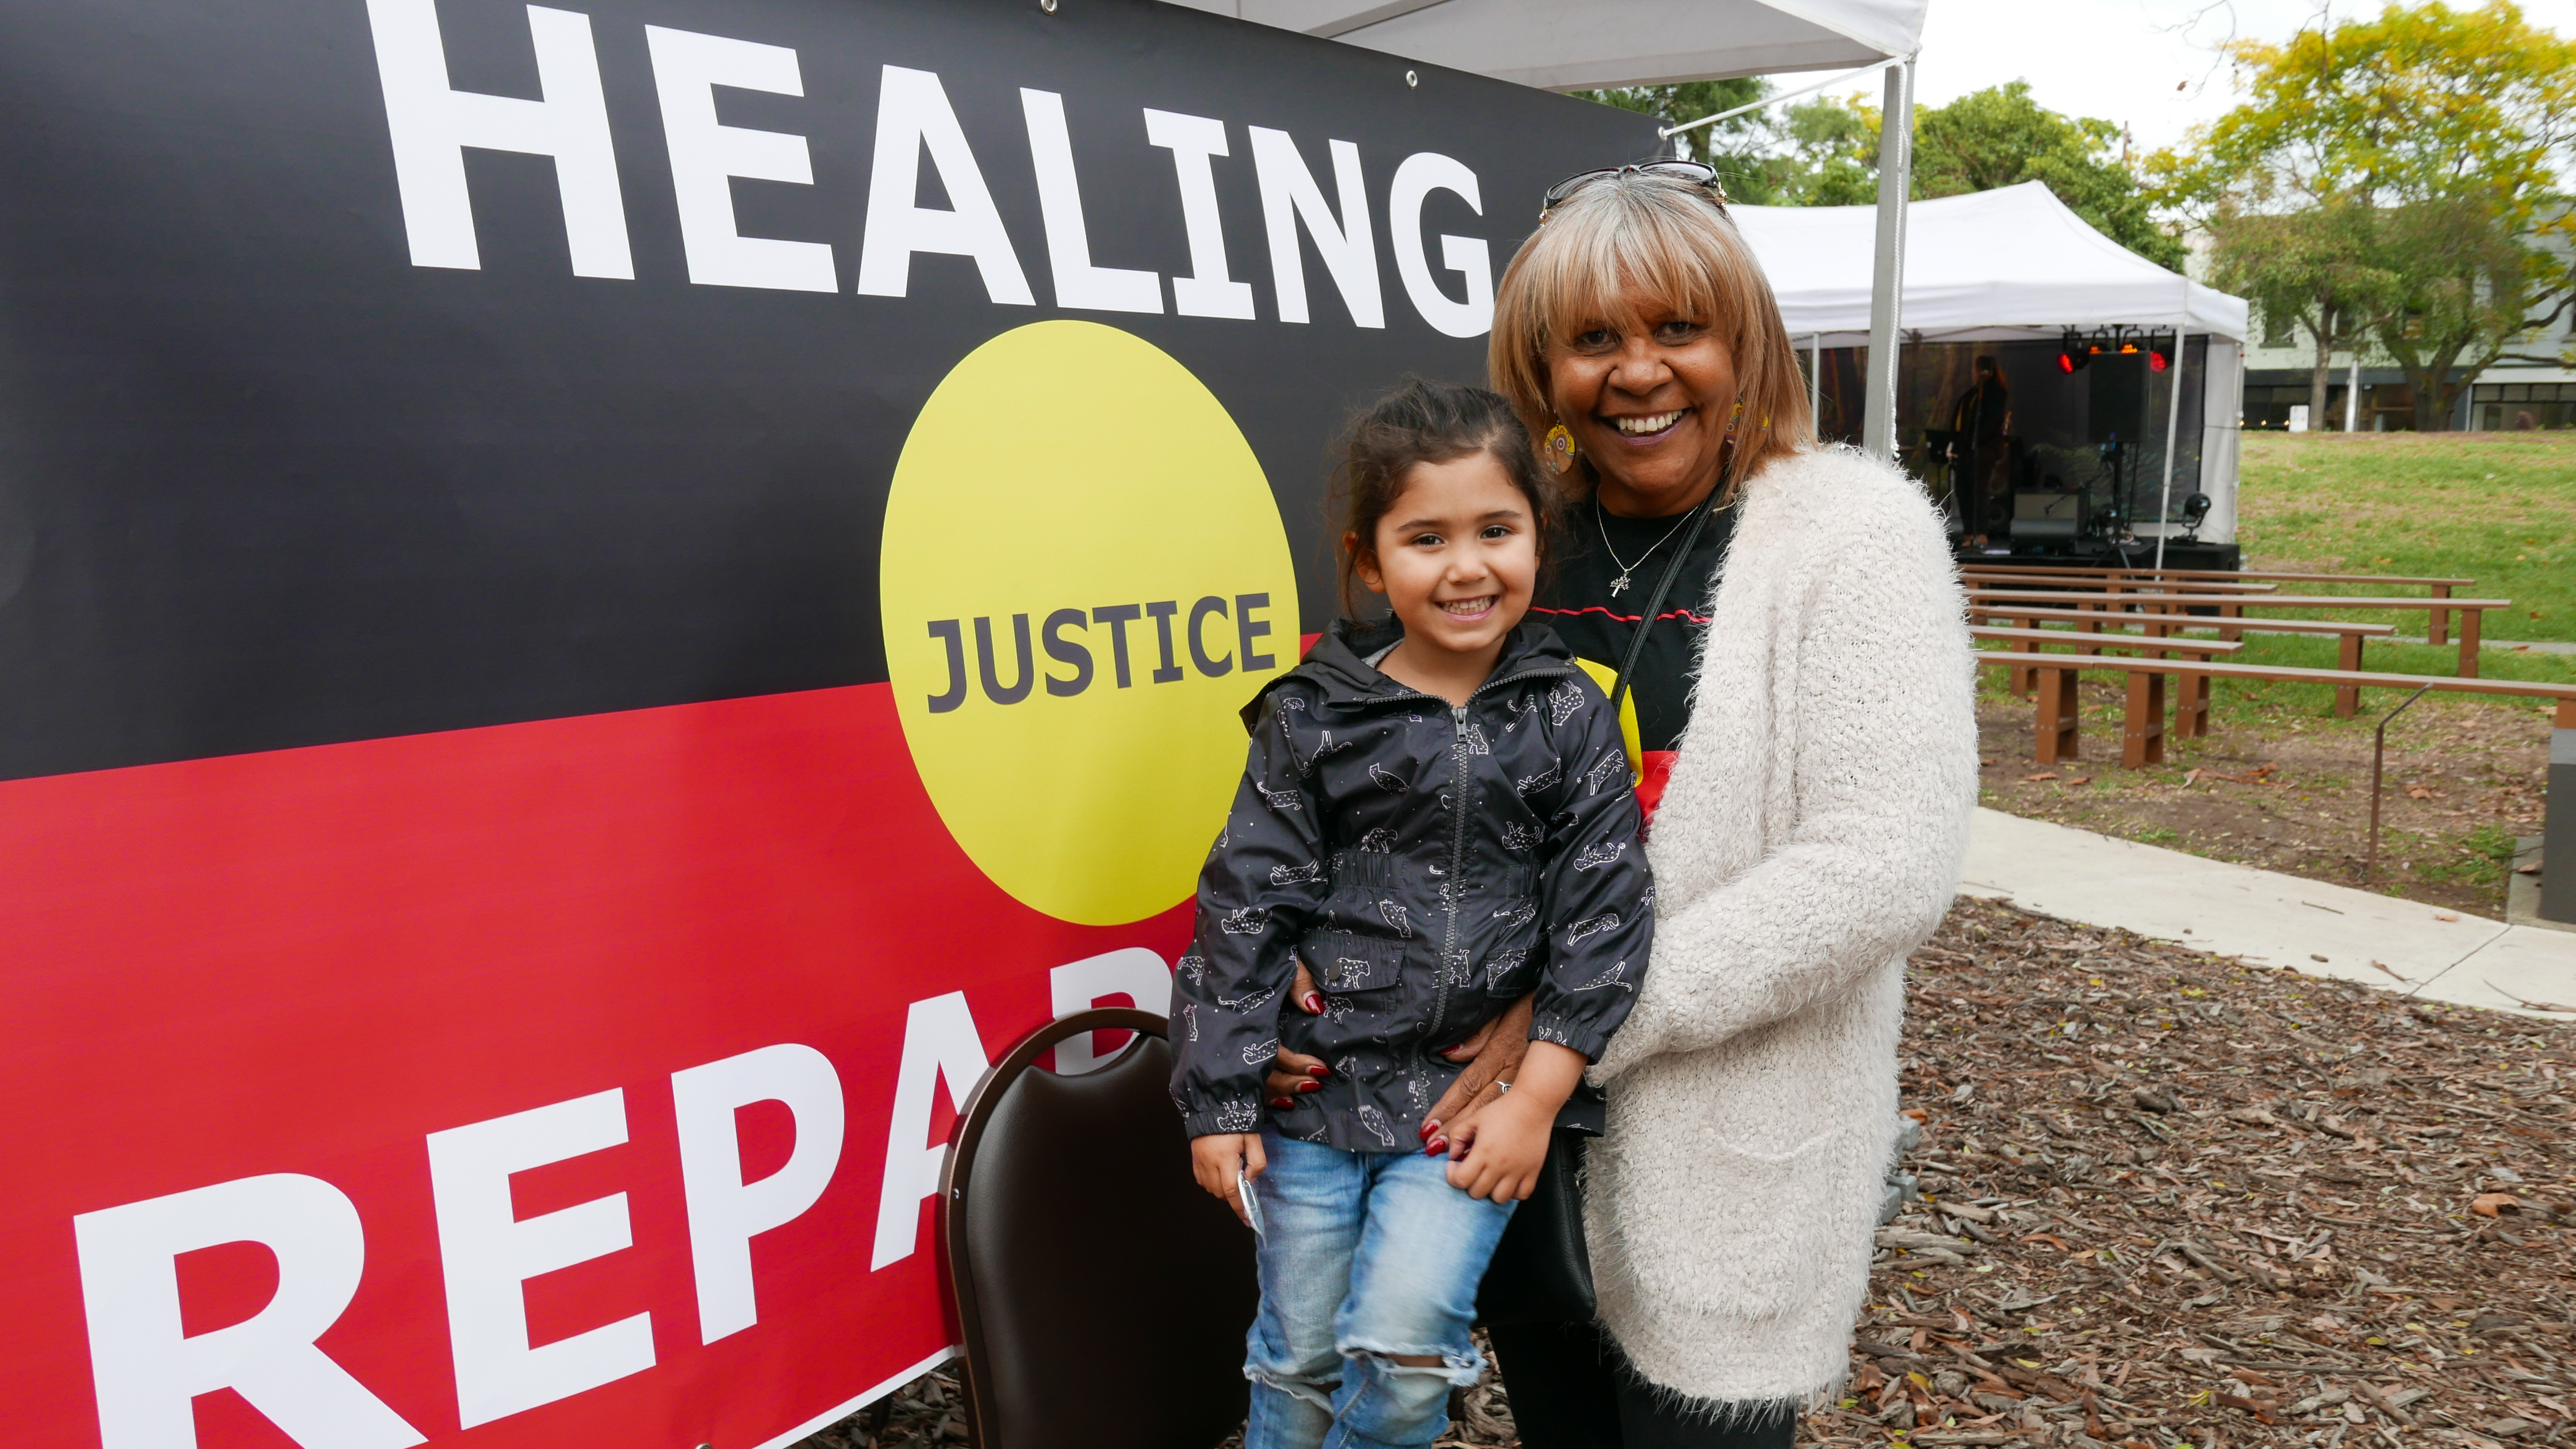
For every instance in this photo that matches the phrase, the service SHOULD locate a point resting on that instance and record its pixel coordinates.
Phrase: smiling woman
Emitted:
(1806, 711)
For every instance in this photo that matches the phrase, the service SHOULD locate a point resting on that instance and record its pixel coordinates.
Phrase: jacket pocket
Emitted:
(1515, 951)
(1345, 962)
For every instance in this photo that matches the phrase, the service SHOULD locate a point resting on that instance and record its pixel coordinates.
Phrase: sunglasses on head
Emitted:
(1698, 173)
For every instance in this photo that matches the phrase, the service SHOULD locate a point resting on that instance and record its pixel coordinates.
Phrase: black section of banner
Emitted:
(265, 483)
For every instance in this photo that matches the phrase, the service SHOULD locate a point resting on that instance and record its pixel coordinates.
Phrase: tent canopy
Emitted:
(1557, 46)
(1994, 265)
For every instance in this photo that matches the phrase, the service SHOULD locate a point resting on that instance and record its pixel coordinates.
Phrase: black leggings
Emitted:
(1570, 1390)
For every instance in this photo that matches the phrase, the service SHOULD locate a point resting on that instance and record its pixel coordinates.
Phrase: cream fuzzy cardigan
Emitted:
(1810, 837)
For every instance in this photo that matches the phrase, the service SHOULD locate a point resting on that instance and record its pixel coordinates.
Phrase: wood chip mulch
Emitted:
(2164, 1199)
(2170, 1199)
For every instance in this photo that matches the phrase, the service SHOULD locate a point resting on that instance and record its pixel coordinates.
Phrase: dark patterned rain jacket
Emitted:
(1432, 865)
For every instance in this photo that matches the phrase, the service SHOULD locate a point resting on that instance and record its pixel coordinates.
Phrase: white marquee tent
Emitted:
(1557, 46)
(2007, 264)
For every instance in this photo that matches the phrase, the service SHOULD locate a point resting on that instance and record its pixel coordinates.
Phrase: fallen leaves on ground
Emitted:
(929, 1411)
(2166, 1199)
(2170, 1199)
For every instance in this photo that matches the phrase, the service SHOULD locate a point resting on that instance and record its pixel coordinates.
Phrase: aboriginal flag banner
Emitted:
(597, 608)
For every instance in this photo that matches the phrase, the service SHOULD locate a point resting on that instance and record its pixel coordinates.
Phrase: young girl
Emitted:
(1437, 816)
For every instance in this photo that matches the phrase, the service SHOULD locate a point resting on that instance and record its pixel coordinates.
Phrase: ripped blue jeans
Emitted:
(1366, 1256)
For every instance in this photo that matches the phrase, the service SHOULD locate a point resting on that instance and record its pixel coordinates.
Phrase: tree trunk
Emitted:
(2435, 393)
(2324, 333)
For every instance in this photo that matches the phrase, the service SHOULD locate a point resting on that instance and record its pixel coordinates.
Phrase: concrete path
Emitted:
(2270, 918)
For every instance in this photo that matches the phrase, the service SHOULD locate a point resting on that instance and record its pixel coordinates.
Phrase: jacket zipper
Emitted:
(1457, 867)
(1451, 895)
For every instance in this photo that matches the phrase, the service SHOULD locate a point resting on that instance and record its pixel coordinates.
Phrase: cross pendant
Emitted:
(1618, 584)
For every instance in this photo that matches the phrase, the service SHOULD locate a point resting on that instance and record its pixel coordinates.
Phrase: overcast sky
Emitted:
(2150, 64)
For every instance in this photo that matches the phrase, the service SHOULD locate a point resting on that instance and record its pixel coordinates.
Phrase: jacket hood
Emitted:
(1339, 661)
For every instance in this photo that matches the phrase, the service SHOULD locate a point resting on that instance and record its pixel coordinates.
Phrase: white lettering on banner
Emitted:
(147, 1369)
(432, 125)
(1210, 290)
(1133, 972)
(487, 1252)
(1077, 282)
(706, 156)
(939, 1041)
(725, 1212)
(1348, 249)
(913, 114)
(1421, 174)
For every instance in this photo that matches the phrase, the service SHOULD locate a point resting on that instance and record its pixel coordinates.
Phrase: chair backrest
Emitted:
(1101, 1296)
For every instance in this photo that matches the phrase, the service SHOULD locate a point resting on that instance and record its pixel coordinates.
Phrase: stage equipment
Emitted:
(2075, 351)
(2117, 405)
(2049, 517)
(2194, 509)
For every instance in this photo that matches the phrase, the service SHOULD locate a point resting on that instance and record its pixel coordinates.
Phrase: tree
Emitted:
(2451, 128)
(1737, 146)
(2311, 269)
(1824, 152)
(1829, 154)
(2467, 282)
(2001, 137)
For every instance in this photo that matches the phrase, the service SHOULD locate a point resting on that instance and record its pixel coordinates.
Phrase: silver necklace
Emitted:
(1601, 518)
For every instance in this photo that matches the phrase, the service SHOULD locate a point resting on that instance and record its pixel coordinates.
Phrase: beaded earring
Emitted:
(1559, 446)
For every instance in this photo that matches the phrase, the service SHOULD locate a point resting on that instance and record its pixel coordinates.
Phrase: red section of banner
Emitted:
(306, 962)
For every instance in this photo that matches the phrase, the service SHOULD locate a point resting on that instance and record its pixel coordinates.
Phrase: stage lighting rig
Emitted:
(2076, 351)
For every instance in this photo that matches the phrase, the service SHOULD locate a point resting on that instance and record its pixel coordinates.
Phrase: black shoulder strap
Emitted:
(1655, 600)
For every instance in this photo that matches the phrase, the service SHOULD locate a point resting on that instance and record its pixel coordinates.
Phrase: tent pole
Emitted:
(2173, 429)
(1815, 379)
(1887, 282)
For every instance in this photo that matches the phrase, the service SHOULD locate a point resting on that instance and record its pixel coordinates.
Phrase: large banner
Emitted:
(597, 607)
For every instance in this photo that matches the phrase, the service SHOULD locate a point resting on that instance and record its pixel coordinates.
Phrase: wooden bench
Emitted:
(2145, 740)
(2230, 610)
(2057, 737)
(2093, 584)
(2437, 631)
(2191, 705)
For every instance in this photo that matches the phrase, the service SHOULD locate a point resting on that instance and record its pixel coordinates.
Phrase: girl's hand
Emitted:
(1214, 1160)
(1497, 1154)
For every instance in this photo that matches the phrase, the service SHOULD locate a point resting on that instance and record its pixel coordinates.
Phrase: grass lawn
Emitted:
(2496, 507)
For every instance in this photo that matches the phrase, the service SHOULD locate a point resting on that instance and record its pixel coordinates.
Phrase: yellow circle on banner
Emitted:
(1083, 579)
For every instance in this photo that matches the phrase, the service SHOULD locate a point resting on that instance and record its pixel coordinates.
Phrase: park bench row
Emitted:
(2142, 731)
(2130, 580)
(2192, 708)
(2229, 615)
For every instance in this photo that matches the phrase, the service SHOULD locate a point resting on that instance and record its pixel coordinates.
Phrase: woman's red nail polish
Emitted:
(1319, 1070)
(1428, 1127)
(1313, 1003)
(1310, 1086)
(1283, 1103)
(1439, 1148)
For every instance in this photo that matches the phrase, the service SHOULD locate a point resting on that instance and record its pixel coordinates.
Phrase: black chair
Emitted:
(1101, 1297)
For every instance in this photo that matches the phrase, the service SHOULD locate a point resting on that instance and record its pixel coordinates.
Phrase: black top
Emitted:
(1432, 864)
(1575, 600)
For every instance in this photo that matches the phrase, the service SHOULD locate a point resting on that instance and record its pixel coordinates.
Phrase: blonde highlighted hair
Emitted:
(1630, 243)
